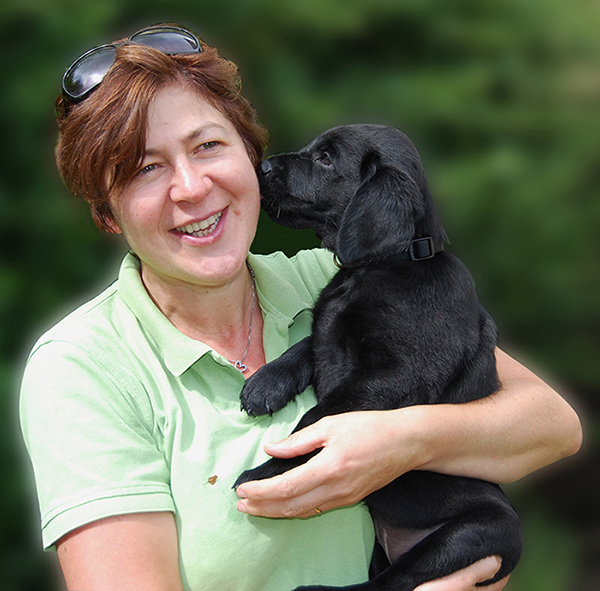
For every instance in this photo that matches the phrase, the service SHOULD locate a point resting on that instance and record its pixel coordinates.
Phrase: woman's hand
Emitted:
(466, 579)
(359, 455)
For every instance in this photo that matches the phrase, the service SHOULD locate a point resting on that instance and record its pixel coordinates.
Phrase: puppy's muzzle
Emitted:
(266, 167)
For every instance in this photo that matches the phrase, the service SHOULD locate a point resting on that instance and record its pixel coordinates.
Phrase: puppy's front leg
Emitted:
(279, 382)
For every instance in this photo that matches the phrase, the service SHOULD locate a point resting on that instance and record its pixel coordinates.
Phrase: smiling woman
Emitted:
(93, 165)
(139, 383)
(195, 173)
(130, 405)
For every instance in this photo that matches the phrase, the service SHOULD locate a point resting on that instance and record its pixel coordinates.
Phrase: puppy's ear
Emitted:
(380, 218)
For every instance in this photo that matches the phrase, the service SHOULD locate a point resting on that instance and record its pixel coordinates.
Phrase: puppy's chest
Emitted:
(340, 304)
(368, 322)
(350, 313)
(354, 334)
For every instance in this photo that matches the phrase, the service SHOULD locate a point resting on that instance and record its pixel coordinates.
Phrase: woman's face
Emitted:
(191, 211)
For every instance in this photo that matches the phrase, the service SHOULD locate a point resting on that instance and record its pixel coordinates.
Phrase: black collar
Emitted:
(421, 249)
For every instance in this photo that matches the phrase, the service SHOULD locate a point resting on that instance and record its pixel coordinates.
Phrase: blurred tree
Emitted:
(500, 97)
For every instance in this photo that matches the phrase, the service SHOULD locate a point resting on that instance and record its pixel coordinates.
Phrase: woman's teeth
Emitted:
(202, 228)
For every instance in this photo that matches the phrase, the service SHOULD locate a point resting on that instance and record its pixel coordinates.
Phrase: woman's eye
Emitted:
(209, 145)
(146, 169)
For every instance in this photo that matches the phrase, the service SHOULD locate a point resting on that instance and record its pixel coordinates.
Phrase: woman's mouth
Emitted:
(202, 228)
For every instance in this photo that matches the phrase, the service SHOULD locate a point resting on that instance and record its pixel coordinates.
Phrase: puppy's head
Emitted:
(360, 187)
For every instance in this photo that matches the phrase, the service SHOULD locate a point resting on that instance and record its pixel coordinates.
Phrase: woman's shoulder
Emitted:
(84, 325)
(96, 334)
(87, 352)
(312, 268)
(98, 327)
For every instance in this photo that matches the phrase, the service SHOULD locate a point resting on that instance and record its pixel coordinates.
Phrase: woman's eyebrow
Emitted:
(191, 136)
(204, 129)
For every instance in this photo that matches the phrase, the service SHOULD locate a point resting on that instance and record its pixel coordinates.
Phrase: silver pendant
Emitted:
(241, 366)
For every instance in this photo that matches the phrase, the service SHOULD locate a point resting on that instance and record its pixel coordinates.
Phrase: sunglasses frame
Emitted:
(146, 32)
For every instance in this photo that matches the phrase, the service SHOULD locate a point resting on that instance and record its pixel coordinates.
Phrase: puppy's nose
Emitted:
(266, 167)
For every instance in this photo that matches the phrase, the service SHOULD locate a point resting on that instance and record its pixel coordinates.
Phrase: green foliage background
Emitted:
(501, 98)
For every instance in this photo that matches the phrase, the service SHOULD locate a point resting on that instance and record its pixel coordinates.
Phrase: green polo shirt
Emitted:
(122, 413)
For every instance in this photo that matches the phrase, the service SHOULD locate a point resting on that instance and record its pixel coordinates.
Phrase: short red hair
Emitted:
(102, 139)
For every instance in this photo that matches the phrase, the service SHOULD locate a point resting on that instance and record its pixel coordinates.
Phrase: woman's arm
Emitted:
(521, 428)
(137, 551)
(524, 426)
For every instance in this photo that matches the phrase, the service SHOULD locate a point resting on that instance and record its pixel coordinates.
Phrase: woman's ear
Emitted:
(105, 220)
(379, 220)
(112, 227)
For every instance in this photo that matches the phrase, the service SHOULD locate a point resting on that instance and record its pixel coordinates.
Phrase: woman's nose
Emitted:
(189, 182)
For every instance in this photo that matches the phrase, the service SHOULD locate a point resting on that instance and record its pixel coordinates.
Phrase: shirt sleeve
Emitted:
(316, 267)
(89, 430)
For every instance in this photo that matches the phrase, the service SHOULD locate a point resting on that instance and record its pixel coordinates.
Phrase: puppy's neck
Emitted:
(419, 249)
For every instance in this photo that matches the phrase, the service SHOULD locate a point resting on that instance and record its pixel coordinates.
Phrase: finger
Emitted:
(485, 569)
(299, 443)
(303, 506)
(291, 484)
(322, 497)
(497, 586)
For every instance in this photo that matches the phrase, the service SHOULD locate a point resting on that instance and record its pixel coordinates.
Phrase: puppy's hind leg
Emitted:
(486, 531)
(455, 545)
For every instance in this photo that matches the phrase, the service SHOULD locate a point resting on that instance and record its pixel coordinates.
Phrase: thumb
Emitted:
(468, 578)
(299, 443)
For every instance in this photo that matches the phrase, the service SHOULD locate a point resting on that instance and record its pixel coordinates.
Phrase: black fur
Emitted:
(388, 332)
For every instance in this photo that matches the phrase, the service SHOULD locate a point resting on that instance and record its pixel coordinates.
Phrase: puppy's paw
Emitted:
(273, 467)
(266, 392)
(267, 470)
(257, 399)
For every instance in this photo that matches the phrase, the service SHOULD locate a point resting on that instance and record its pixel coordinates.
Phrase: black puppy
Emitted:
(399, 325)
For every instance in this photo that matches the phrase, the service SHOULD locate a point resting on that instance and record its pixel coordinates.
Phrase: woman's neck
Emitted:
(220, 316)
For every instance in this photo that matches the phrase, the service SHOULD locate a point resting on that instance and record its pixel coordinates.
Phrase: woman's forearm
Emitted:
(524, 426)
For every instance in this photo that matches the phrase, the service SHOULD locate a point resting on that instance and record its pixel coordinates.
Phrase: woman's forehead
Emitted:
(180, 112)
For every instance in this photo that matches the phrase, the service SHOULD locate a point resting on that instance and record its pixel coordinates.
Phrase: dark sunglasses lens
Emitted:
(88, 71)
(167, 40)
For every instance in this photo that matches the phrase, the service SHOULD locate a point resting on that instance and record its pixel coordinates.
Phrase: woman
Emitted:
(130, 406)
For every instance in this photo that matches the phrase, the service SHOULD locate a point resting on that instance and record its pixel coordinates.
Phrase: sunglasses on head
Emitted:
(88, 71)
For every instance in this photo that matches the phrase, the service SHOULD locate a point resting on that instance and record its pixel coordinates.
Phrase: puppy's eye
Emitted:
(324, 159)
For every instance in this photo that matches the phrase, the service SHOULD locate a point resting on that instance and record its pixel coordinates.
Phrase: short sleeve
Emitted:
(89, 429)
(316, 267)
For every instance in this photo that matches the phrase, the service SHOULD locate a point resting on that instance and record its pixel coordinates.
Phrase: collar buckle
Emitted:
(421, 249)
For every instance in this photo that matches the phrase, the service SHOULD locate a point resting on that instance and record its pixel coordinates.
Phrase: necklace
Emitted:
(239, 364)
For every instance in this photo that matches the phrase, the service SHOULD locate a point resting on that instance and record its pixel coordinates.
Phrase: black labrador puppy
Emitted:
(398, 325)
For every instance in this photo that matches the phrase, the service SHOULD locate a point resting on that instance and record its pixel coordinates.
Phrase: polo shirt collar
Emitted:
(276, 294)
(277, 297)
(178, 350)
